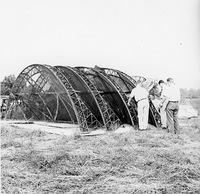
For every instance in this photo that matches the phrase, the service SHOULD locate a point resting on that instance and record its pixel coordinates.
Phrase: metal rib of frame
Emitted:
(110, 119)
(154, 115)
(90, 71)
(85, 117)
(44, 73)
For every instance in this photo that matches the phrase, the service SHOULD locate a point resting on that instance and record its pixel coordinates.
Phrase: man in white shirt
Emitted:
(141, 96)
(173, 94)
(163, 104)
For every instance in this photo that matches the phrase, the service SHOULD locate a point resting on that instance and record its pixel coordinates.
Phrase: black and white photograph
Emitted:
(100, 96)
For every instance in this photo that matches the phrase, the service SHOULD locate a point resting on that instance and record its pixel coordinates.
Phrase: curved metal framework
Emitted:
(89, 97)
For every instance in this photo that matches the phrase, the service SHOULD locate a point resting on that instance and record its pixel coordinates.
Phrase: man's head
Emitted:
(138, 83)
(170, 81)
(161, 83)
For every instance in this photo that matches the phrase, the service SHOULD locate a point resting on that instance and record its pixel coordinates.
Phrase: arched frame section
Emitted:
(42, 95)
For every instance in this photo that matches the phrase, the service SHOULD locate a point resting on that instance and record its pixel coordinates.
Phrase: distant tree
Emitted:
(7, 84)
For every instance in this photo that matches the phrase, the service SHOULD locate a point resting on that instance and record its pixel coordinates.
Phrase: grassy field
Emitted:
(151, 161)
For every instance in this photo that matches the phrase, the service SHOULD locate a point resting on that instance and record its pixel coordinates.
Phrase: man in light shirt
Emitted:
(141, 96)
(173, 94)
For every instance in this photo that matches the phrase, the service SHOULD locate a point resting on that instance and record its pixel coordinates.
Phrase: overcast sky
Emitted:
(151, 38)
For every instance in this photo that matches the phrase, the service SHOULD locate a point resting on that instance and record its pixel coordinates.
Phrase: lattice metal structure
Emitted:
(90, 97)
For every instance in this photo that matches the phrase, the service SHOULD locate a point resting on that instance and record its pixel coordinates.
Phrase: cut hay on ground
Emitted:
(151, 161)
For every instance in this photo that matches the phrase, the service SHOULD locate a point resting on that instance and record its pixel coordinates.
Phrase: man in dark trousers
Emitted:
(173, 94)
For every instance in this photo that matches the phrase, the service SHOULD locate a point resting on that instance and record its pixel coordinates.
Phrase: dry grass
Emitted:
(136, 162)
